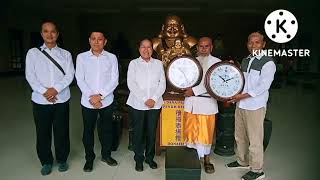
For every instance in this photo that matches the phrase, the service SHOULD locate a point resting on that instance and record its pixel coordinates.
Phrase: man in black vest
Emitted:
(250, 112)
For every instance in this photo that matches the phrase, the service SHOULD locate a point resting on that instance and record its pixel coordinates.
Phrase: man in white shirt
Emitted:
(146, 82)
(200, 109)
(251, 109)
(50, 97)
(97, 77)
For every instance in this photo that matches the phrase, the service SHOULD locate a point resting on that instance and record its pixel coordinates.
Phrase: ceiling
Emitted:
(157, 6)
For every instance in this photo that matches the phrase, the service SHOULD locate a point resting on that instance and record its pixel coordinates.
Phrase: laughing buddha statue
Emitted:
(173, 41)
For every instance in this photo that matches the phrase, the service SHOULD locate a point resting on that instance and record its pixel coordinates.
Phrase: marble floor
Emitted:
(292, 154)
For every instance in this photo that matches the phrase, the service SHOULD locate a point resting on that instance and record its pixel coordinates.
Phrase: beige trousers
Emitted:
(249, 137)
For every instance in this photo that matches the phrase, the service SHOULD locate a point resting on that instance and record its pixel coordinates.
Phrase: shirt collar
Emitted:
(103, 53)
(256, 57)
(142, 60)
(43, 47)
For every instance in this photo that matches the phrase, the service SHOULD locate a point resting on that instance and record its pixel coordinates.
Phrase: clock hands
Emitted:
(222, 78)
(229, 79)
(184, 75)
(226, 80)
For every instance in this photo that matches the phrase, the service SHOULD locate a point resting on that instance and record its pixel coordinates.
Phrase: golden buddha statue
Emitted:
(173, 41)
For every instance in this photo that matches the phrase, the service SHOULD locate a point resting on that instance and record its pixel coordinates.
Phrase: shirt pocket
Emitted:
(61, 59)
(106, 69)
(155, 77)
(142, 78)
(254, 76)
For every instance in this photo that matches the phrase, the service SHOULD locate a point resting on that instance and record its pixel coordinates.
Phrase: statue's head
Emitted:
(172, 28)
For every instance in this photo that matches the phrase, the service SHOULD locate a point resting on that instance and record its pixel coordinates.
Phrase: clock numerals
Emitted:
(225, 80)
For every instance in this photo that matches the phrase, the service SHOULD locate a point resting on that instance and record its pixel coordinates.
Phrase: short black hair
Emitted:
(51, 22)
(146, 39)
(98, 31)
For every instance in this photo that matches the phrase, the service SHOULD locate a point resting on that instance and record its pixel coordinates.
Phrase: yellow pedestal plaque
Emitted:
(171, 124)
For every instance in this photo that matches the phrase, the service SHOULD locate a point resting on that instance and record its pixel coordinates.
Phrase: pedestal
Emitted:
(182, 164)
(225, 130)
(170, 127)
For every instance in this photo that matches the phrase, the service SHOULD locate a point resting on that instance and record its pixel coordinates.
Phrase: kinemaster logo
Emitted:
(281, 26)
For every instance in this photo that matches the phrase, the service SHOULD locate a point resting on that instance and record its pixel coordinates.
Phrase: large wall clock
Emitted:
(224, 80)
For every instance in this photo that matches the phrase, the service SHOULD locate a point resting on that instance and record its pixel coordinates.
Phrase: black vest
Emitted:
(256, 64)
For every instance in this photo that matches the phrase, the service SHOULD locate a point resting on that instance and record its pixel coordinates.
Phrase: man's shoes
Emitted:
(63, 167)
(253, 176)
(236, 165)
(208, 168)
(46, 169)
(152, 164)
(110, 161)
(139, 167)
(88, 166)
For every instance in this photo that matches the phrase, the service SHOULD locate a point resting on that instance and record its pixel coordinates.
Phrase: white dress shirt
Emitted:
(202, 105)
(42, 74)
(97, 75)
(146, 80)
(257, 84)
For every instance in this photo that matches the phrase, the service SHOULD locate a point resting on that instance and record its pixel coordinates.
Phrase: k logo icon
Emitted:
(281, 26)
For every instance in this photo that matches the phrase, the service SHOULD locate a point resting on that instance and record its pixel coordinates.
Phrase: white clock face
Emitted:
(183, 73)
(226, 81)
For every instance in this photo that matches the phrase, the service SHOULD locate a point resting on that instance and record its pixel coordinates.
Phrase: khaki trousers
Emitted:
(249, 137)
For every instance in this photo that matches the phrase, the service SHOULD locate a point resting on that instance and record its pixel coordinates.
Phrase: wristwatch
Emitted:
(101, 96)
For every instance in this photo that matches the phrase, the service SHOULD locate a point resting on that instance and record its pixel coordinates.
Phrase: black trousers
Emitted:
(46, 118)
(103, 118)
(144, 133)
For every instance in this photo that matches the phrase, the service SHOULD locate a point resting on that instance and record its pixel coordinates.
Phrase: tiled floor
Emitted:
(292, 153)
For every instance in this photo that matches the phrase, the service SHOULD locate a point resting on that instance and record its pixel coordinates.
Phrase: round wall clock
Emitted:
(224, 80)
(184, 72)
